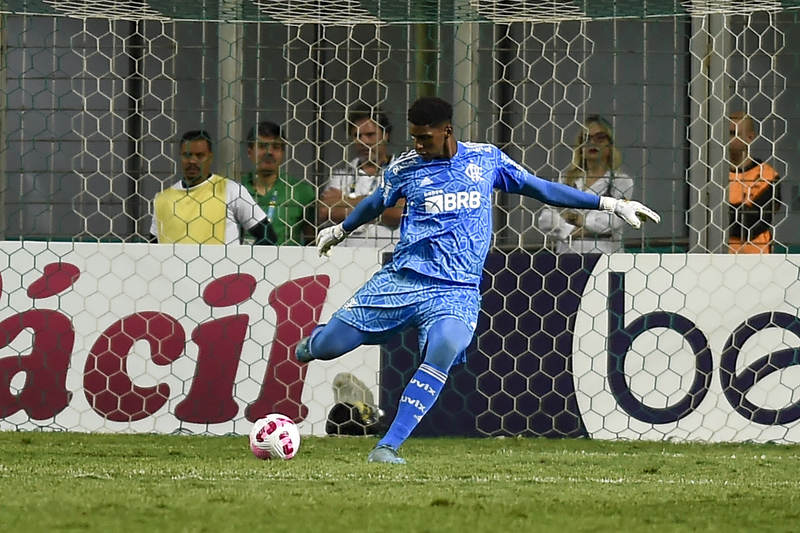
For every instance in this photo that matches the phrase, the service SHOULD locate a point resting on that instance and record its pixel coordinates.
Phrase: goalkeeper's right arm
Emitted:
(368, 209)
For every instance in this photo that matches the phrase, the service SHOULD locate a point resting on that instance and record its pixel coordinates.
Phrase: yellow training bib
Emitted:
(193, 216)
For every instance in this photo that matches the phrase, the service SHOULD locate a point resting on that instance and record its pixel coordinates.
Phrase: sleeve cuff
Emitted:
(607, 203)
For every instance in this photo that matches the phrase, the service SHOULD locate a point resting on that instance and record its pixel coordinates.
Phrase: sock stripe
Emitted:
(433, 372)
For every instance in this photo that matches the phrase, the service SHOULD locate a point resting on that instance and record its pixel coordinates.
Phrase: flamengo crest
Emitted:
(474, 172)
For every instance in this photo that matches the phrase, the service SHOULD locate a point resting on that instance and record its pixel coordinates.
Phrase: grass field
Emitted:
(80, 482)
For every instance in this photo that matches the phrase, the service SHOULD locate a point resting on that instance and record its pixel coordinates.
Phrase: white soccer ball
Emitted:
(274, 437)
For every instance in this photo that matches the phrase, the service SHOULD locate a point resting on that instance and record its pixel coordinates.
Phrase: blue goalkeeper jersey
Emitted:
(446, 230)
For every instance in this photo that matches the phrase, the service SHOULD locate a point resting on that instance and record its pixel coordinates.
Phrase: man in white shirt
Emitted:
(205, 208)
(350, 183)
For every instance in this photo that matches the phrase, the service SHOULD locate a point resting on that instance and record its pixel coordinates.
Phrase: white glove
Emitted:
(631, 212)
(329, 237)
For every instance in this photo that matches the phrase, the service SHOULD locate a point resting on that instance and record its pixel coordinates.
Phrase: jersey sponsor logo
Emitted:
(440, 202)
(508, 161)
(425, 181)
(404, 160)
(474, 172)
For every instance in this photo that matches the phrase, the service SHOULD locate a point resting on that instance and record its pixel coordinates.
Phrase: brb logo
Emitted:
(691, 351)
(441, 202)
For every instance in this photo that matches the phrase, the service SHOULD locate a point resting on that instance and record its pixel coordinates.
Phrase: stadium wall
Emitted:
(645, 346)
(154, 338)
(69, 107)
(145, 338)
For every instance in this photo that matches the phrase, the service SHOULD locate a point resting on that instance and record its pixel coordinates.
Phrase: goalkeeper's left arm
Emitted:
(368, 209)
(558, 194)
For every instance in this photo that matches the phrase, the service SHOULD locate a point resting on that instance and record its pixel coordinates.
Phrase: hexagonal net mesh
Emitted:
(586, 328)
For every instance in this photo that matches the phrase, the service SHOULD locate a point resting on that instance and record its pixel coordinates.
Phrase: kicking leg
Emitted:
(330, 341)
(446, 339)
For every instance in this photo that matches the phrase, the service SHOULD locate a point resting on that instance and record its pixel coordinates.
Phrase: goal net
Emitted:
(658, 333)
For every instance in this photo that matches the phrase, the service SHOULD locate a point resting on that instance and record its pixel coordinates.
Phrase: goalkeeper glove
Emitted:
(329, 237)
(631, 212)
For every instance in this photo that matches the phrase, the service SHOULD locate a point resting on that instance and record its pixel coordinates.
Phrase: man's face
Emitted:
(430, 142)
(196, 158)
(741, 135)
(370, 140)
(267, 155)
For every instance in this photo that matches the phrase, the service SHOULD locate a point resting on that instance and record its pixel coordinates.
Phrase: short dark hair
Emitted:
(360, 113)
(430, 111)
(197, 135)
(265, 128)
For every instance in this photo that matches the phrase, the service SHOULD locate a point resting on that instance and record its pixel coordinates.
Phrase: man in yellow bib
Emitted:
(205, 208)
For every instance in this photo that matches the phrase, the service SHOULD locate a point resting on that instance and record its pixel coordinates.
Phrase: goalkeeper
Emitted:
(445, 234)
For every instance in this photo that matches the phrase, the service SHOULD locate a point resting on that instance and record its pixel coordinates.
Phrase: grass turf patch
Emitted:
(99, 482)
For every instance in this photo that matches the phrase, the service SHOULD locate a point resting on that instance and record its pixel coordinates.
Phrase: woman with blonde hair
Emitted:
(595, 168)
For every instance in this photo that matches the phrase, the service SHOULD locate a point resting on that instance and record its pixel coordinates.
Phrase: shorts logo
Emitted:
(452, 201)
(474, 172)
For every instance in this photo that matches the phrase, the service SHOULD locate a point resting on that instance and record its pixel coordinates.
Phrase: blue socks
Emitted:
(419, 395)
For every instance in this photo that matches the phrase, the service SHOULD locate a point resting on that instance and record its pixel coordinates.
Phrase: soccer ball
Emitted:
(274, 437)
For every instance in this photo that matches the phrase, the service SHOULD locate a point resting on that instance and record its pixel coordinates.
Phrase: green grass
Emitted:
(80, 482)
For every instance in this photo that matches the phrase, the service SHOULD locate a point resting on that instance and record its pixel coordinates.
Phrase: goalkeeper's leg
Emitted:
(330, 341)
(447, 338)
(369, 317)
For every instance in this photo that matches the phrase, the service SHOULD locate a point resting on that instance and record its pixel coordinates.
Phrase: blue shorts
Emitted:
(392, 301)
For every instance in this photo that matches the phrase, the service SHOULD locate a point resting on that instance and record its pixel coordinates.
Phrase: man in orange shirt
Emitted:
(752, 194)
